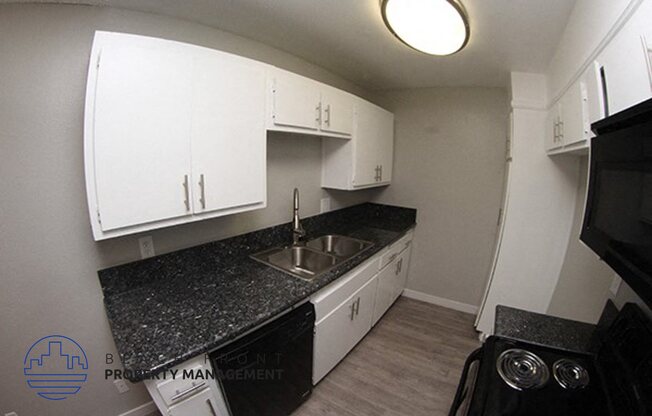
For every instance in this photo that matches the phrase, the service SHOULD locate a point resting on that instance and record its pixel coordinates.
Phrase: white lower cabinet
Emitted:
(391, 282)
(347, 309)
(342, 329)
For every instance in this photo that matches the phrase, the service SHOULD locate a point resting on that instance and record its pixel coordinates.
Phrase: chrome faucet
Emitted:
(297, 230)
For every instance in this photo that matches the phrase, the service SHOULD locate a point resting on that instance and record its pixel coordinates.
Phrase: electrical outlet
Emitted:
(615, 285)
(146, 245)
(325, 205)
(121, 385)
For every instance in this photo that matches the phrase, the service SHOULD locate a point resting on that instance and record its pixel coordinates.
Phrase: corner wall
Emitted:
(449, 161)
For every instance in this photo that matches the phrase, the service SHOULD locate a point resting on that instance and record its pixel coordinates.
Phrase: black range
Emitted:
(509, 377)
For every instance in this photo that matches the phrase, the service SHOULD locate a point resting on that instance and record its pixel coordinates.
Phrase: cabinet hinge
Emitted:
(99, 217)
(99, 57)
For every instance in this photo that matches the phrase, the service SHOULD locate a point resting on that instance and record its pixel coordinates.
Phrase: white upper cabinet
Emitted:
(137, 129)
(301, 105)
(173, 133)
(366, 160)
(228, 133)
(553, 128)
(624, 63)
(574, 114)
(336, 111)
(295, 102)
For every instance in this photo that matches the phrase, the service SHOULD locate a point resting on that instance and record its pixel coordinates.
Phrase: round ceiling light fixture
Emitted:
(435, 27)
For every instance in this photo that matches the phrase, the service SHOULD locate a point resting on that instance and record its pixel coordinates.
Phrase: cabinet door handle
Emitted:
(381, 173)
(188, 391)
(202, 186)
(561, 130)
(352, 311)
(186, 192)
(357, 307)
(393, 257)
(318, 118)
(210, 407)
(328, 115)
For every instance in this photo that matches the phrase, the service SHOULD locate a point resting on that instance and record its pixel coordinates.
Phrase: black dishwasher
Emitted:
(269, 372)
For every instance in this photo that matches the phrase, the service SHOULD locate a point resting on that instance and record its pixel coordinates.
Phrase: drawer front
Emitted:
(330, 297)
(176, 390)
(342, 329)
(202, 404)
(395, 249)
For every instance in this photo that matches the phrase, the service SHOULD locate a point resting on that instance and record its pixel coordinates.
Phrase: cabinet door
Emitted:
(401, 272)
(228, 132)
(595, 104)
(574, 117)
(553, 138)
(373, 144)
(385, 144)
(141, 131)
(625, 63)
(201, 404)
(386, 290)
(340, 331)
(337, 111)
(296, 102)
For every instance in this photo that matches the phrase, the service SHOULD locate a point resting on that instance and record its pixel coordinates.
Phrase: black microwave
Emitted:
(618, 215)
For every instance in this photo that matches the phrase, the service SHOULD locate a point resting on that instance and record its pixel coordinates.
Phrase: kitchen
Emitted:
(438, 198)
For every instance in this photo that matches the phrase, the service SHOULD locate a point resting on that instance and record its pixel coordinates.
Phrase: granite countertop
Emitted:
(170, 308)
(544, 329)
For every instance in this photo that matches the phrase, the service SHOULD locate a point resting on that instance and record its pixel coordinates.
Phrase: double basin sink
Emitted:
(314, 258)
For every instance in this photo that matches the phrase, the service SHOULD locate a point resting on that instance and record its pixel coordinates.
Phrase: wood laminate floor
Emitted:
(408, 365)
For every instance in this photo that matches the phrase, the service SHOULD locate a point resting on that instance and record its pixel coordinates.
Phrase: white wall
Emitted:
(48, 259)
(449, 160)
(583, 286)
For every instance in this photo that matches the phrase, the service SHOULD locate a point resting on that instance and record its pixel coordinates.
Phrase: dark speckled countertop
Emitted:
(170, 308)
(544, 329)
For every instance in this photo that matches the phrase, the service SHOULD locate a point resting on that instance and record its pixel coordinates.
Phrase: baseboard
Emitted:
(142, 410)
(436, 300)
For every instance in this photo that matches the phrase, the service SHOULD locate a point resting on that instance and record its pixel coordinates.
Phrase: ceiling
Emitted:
(349, 38)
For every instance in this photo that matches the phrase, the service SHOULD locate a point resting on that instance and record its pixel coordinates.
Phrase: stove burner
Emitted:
(570, 375)
(522, 369)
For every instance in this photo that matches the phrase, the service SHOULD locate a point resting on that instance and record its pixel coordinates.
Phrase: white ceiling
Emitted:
(349, 38)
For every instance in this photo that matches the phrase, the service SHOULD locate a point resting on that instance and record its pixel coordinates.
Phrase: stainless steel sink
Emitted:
(314, 258)
(300, 261)
(338, 245)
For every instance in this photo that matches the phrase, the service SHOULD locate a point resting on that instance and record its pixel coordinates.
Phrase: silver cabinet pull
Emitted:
(202, 186)
(328, 115)
(186, 190)
(210, 407)
(393, 257)
(352, 311)
(561, 130)
(357, 307)
(400, 265)
(188, 391)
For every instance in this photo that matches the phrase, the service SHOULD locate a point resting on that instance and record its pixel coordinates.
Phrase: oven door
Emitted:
(465, 389)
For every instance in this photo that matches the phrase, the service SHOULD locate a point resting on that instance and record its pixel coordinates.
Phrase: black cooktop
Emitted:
(517, 378)
(537, 391)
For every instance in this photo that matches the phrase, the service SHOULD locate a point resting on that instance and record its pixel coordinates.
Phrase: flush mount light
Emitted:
(435, 27)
